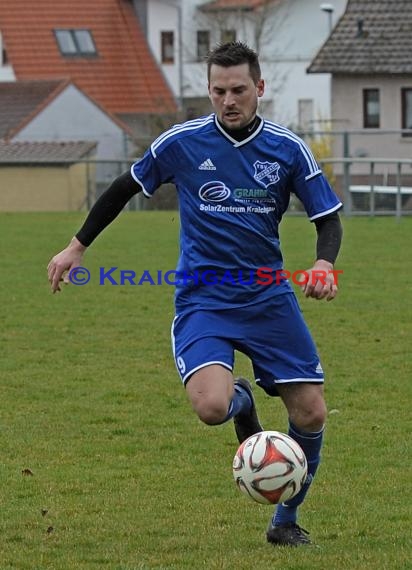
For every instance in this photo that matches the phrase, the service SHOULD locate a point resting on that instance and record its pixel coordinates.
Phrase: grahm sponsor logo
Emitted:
(252, 194)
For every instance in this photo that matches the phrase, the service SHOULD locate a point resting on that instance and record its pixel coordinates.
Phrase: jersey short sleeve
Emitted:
(153, 169)
(304, 176)
(311, 186)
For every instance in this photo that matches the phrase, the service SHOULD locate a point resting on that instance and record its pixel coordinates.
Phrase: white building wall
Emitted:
(72, 116)
(291, 38)
(165, 16)
(299, 29)
(7, 73)
(348, 110)
(293, 35)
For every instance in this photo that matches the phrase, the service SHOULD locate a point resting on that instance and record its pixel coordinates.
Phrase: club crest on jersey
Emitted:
(266, 173)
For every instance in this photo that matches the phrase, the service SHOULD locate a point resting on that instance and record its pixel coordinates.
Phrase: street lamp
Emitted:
(328, 9)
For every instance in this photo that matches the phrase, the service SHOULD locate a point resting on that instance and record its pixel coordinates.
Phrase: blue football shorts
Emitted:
(272, 334)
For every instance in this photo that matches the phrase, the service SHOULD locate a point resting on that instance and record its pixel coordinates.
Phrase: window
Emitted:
(85, 41)
(305, 113)
(406, 110)
(168, 47)
(75, 42)
(371, 109)
(203, 44)
(3, 52)
(228, 36)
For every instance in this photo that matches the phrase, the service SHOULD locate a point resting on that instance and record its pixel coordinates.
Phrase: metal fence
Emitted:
(367, 186)
(380, 185)
(372, 186)
(371, 169)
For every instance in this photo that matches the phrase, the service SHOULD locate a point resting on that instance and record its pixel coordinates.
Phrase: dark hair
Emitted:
(234, 53)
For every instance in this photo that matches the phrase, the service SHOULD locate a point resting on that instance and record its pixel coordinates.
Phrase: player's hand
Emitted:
(60, 266)
(321, 282)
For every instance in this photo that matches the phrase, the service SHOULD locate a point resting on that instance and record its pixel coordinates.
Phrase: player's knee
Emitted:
(211, 411)
(311, 419)
(210, 394)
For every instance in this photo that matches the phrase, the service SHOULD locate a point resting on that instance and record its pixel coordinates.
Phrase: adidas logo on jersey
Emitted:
(207, 165)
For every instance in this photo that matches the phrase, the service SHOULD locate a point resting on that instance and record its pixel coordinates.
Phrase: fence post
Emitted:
(89, 203)
(347, 197)
(399, 191)
(372, 190)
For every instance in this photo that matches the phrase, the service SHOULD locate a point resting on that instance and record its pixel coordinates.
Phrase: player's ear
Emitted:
(260, 87)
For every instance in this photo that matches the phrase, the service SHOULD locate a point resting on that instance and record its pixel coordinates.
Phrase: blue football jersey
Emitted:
(232, 196)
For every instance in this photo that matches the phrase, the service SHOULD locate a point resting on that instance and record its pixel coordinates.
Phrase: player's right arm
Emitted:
(104, 211)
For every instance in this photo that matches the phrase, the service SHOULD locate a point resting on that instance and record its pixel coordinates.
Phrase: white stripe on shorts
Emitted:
(188, 374)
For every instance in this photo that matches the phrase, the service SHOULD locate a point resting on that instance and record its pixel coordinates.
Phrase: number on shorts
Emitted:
(181, 364)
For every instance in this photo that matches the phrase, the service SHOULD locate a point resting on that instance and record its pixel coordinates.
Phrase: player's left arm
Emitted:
(322, 206)
(322, 279)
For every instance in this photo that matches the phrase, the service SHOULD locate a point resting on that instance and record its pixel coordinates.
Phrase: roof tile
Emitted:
(123, 77)
(20, 100)
(372, 36)
(46, 152)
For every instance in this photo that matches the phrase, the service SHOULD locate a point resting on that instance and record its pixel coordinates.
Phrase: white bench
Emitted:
(367, 188)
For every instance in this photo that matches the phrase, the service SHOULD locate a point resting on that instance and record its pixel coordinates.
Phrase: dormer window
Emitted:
(4, 60)
(75, 42)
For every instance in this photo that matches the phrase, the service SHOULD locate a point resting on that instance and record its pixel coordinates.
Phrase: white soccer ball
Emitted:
(270, 467)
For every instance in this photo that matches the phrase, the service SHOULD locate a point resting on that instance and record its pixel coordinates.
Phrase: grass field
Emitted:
(105, 466)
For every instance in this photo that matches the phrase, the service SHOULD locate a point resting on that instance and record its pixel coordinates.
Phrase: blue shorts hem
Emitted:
(188, 375)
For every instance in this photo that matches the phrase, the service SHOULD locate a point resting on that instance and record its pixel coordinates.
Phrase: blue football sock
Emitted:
(240, 404)
(311, 443)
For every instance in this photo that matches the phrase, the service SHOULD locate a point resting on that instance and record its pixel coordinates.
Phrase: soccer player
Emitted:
(234, 172)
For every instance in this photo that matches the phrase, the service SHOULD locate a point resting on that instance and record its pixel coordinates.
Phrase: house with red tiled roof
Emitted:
(45, 111)
(98, 45)
(57, 110)
(81, 71)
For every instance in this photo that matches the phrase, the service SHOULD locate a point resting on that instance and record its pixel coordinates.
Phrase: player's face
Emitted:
(234, 95)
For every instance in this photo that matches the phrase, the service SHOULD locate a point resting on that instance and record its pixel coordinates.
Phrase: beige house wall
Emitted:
(43, 188)
(347, 113)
